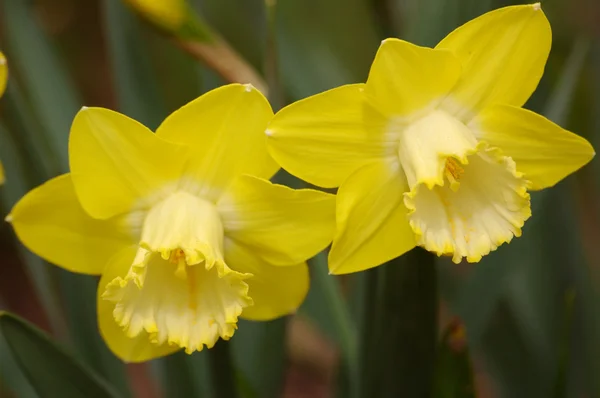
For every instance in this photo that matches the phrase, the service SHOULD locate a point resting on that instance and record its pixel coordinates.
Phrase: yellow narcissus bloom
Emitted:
(3, 80)
(435, 149)
(168, 14)
(183, 225)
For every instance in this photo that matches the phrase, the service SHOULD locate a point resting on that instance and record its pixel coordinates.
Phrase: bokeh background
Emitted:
(525, 322)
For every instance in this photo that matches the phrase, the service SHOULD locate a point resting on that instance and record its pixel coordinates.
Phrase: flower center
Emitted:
(179, 288)
(452, 171)
(465, 199)
(429, 147)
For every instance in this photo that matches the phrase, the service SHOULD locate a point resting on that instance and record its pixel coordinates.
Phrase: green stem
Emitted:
(399, 334)
(221, 369)
(183, 375)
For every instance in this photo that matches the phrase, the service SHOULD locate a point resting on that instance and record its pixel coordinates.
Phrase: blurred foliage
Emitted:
(36, 353)
(530, 310)
(454, 373)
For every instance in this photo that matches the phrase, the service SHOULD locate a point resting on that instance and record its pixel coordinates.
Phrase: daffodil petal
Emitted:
(372, 223)
(406, 78)
(543, 151)
(117, 163)
(225, 129)
(325, 138)
(3, 73)
(128, 349)
(50, 221)
(283, 226)
(503, 54)
(276, 291)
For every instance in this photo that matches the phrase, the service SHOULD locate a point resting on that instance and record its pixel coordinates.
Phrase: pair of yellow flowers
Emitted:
(188, 233)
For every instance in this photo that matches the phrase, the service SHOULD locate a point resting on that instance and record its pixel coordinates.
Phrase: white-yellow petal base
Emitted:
(465, 198)
(482, 204)
(179, 288)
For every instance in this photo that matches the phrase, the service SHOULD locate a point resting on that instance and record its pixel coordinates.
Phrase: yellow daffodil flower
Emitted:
(183, 225)
(435, 149)
(168, 14)
(3, 80)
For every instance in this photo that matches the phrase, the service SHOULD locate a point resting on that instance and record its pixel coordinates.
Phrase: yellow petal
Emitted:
(406, 78)
(372, 224)
(1, 174)
(503, 54)
(281, 225)
(486, 207)
(276, 291)
(118, 164)
(325, 138)
(129, 349)
(3, 73)
(50, 221)
(225, 131)
(542, 150)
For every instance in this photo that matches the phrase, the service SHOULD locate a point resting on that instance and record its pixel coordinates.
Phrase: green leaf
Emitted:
(16, 185)
(560, 103)
(326, 306)
(426, 22)
(320, 48)
(399, 330)
(222, 371)
(240, 22)
(258, 350)
(184, 375)
(12, 379)
(560, 386)
(50, 369)
(594, 137)
(584, 361)
(51, 92)
(29, 141)
(510, 359)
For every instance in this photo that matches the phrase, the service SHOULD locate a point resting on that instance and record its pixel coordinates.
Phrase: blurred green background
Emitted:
(524, 322)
